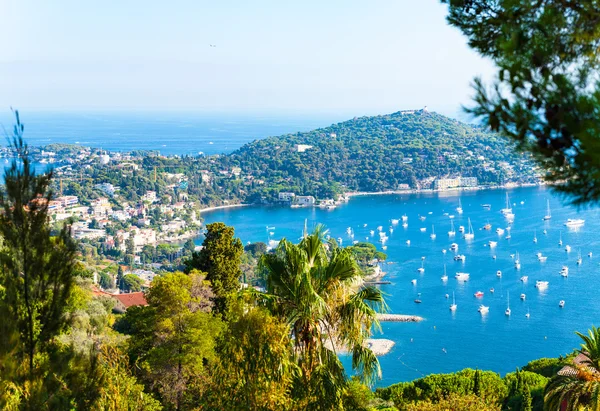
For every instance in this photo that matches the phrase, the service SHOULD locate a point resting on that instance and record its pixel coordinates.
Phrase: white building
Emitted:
(287, 197)
(107, 188)
(305, 201)
(301, 148)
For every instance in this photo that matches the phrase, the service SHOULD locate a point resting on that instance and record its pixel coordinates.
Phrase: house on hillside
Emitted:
(124, 301)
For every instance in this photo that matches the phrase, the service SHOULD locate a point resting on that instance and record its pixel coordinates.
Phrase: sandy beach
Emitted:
(204, 210)
(379, 346)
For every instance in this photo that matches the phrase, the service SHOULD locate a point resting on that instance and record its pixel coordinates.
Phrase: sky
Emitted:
(312, 56)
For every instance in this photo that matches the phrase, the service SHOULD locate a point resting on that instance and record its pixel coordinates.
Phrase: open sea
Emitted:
(168, 133)
(447, 341)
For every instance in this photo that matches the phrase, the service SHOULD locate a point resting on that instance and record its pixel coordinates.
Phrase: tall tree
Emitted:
(317, 289)
(546, 94)
(177, 338)
(220, 258)
(580, 387)
(255, 366)
(36, 269)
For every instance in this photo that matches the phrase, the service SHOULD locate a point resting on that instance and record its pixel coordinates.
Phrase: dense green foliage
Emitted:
(375, 154)
(311, 286)
(220, 259)
(580, 388)
(546, 95)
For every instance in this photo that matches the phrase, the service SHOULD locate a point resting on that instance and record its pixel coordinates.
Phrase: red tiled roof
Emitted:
(579, 363)
(131, 299)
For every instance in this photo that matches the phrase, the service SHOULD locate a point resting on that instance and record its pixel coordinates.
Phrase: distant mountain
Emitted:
(380, 153)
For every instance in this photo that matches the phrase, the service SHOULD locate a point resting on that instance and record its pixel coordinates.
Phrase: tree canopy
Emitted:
(546, 94)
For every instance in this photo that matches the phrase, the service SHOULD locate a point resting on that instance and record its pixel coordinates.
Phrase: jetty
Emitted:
(399, 318)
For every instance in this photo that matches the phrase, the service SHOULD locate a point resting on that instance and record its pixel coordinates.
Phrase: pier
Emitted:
(400, 318)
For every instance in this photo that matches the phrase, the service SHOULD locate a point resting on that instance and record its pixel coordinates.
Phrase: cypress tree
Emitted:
(477, 383)
(525, 398)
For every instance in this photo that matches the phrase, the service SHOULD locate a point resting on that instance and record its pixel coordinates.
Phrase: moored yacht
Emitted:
(462, 276)
(564, 271)
(483, 309)
(507, 311)
(573, 223)
(540, 285)
(453, 306)
(561, 303)
(499, 274)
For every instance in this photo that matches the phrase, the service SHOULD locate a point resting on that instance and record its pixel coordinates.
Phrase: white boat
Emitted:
(545, 232)
(372, 232)
(453, 306)
(395, 221)
(523, 297)
(483, 309)
(541, 284)
(560, 238)
(534, 237)
(454, 247)
(507, 311)
(404, 218)
(380, 228)
(462, 276)
(422, 218)
(407, 242)
(423, 229)
(561, 303)
(451, 233)
(517, 262)
(404, 225)
(548, 215)
(460, 257)
(451, 216)
(499, 231)
(445, 276)
(384, 247)
(493, 244)
(339, 240)
(461, 229)
(469, 235)
(421, 269)
(506, 210)
(568, 248)
(527, 315)
(432, 235)
(579, 259)
(459, 209)
(349, 230)
(509, 217)
(414, 282)
(564, 271)
(499, 274)
(542, 259)
(524, 279)
(573, 223)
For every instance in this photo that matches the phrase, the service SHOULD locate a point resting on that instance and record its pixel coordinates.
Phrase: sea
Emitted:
(444, 341)
(177, 133)
(449, 341)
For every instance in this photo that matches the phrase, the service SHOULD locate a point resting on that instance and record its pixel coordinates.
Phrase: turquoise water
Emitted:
(447, 342)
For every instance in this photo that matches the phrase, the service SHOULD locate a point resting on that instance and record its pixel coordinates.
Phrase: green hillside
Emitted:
(381, 152)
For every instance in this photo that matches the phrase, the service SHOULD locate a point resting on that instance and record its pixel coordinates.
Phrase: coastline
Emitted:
(446, 190)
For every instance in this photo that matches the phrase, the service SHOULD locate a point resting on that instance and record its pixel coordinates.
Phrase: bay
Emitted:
(447, 342)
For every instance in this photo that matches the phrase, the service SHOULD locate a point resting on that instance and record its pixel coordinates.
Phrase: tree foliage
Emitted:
(220, 259)
(546, 94)
(316, 288)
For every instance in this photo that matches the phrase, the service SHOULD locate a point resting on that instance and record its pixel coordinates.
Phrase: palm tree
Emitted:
(317, 288)
(577, 387)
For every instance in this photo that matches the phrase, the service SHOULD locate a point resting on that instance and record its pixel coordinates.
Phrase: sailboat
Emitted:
(560, 238)
(548, 216)
(579, 260)
(451, 233)
(469, 235)
(506, 210)
(534, 237)
(517, 262)
(421, 269)
(527, 315)
(459, 209)
(507, 312)
(453, 306)
(432, 235)
(445, 276)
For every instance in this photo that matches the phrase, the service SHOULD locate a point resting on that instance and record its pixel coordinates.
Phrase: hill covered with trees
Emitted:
(378, 153)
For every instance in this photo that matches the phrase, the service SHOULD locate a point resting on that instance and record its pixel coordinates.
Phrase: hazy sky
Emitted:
(348, 56)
